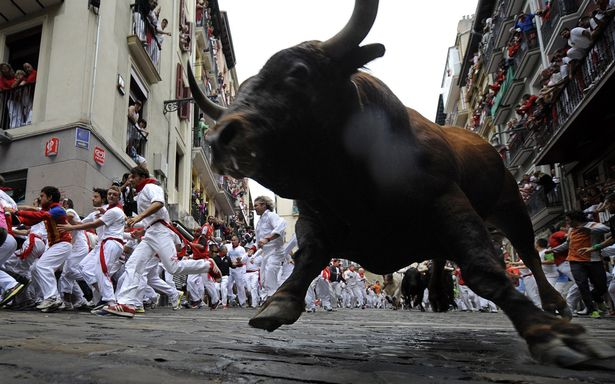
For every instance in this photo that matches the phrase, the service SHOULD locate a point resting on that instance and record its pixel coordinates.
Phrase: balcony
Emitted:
(510, 8)
(544, 208)
(135, 143)
(509, 93)
(202, 28)
(144, 47)
(16, 106)
(579, 109)
(527, 56)
(201, 159)
(560, 12)
(520, 147)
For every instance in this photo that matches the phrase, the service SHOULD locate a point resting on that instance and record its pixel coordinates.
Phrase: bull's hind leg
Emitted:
(287, 304)
(511, 216)
(550, 339)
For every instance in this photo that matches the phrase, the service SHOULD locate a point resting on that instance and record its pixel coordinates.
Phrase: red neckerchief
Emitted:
(144, 183)
(119, 205)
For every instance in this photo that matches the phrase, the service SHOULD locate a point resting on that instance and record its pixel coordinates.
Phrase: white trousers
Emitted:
(71, 271)
(252, 284)
(531, 290)
(46, 267)
(319, 289)
(158, 240)
(221, 287)
(273, 266)
(199, 284)
(237, 276)
(6, 250)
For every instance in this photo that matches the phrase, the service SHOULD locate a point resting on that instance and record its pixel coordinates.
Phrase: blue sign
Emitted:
(82, 138)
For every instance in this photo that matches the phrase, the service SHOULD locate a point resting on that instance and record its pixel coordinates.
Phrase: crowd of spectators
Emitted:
(536, 112)
(17, 93)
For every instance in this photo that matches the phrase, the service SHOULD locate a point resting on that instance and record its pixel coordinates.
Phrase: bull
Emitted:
(413, 287)
(313, 127)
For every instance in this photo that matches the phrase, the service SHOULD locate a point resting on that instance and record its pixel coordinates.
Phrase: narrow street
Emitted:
(345, 346)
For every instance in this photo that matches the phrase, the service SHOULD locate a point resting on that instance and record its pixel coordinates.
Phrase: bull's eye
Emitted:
(299, 72)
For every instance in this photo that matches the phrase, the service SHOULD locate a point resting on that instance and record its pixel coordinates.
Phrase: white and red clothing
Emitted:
(237, 272)
(319, 288)
(158, 240)
(273, 251)
(253, 277)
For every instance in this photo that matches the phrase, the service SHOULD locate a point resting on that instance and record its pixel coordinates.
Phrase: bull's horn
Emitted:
(356, 29)
(210, 108)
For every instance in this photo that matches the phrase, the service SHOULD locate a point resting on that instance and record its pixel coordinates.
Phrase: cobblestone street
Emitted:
(345, 346)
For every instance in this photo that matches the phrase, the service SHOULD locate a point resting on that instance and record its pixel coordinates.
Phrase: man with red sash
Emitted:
(158, 240)
(59, 244)
(321, 289)
(109, 247)
(10, 287)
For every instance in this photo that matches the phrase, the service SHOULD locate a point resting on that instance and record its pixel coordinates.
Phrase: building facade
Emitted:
(108, 79)
(544, 124)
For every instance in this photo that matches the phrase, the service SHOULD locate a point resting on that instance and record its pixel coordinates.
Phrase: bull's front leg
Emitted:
(287, 304)
(550, 339)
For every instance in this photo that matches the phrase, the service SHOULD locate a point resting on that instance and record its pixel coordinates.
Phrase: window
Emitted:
(179, 158)
(137, 128)
(15, 184)
(19, 77)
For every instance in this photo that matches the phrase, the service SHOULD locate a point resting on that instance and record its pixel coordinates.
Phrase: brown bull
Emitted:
(311, 127)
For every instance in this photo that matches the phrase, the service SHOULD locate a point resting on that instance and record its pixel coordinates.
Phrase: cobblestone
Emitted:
(344, 346)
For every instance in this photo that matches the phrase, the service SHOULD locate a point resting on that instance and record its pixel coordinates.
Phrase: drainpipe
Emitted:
(97, 13)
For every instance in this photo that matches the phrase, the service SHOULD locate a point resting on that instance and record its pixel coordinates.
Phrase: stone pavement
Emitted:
(345, 346)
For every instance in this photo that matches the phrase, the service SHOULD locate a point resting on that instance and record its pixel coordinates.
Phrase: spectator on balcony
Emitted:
(527, 103)
(525, 25)
(160, 26)
(142, 127)
(184, 38)
(133, 111)
(30, 73)
(545, 184)
(201, 129)
(7, 76)
(20, 79)
(579, 40)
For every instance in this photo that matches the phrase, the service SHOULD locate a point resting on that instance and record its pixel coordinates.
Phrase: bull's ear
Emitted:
(360, 56)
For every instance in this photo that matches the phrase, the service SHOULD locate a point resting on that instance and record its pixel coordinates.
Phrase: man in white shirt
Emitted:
(237, 273)
(109, 247)
(10, 287)
(253, 267)
(158, 240)
(270, 237)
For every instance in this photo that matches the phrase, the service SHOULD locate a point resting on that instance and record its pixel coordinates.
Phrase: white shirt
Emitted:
(150, 194)
(79, 239)
(93, 216)
(238, 252)
(550, 270)
(351, 278)
(254, 261)
(270, 223)
(114, 220)
(7, 201)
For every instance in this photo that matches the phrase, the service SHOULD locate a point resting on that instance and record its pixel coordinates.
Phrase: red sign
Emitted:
(99, 155)
(52, 146)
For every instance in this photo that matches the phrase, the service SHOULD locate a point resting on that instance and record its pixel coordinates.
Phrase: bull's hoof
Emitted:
(439, 303)
(276, 311)
(566, 345)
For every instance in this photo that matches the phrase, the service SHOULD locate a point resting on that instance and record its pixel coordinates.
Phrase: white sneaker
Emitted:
(177, 305)
(50, 304)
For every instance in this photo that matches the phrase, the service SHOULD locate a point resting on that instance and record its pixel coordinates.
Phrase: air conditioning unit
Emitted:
(160, 164)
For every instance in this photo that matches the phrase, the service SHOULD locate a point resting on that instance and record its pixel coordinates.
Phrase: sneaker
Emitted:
(66, 306)
(582, 313)
(120, 310)
(595, 315)
(310, 310)
(178, 303)
(155, 302)
(602, 307)
(10, 293)
(139, 311)
(99, 311)
(50, 304)
(328, 309)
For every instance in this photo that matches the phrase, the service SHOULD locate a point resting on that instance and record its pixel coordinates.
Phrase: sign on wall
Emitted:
(82, 138)
(99, 155)
(52, 146)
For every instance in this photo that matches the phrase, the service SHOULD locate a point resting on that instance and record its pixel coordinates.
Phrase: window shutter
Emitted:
(179, 82)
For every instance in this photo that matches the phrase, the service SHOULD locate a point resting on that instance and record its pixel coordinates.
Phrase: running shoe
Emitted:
(122, 310)
(10, 293)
